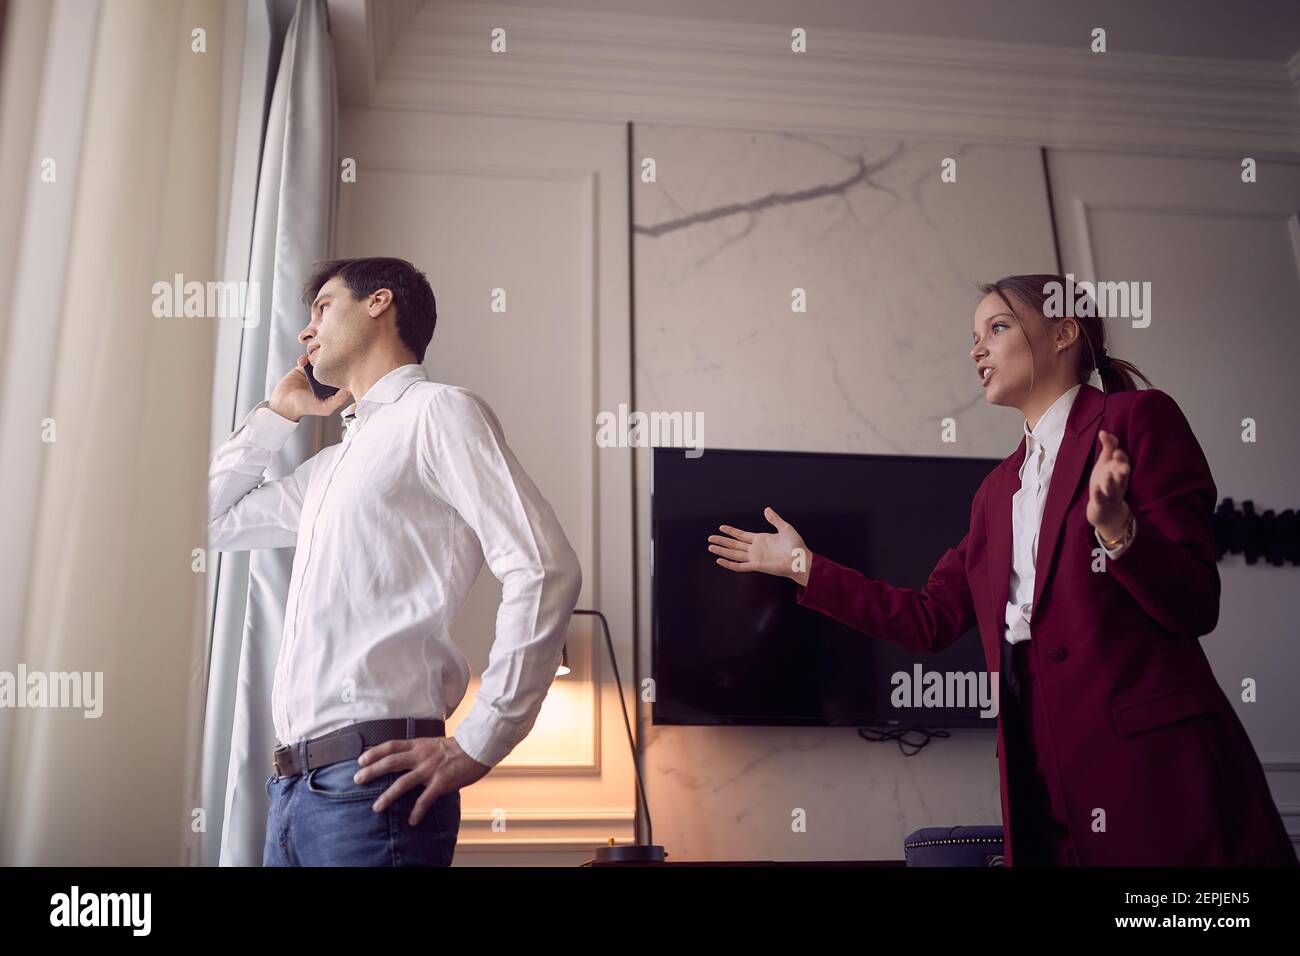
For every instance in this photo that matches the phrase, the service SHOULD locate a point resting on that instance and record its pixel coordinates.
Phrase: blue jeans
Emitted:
(322, 818)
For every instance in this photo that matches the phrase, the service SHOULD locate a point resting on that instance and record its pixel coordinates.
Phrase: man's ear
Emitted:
(381, 299)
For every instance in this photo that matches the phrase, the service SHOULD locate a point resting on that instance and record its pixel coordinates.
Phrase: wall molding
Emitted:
(362, 32)
(1290, 813)
(1084, 209)
(619, 67)
(545, 829)
(553, 815)
(1280, 763)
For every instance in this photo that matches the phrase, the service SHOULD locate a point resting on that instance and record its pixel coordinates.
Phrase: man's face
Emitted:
(337, 333)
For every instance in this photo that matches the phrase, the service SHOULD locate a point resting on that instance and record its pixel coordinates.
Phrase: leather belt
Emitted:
(348, 743)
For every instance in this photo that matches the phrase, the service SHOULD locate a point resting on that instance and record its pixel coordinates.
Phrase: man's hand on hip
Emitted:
(435, 763)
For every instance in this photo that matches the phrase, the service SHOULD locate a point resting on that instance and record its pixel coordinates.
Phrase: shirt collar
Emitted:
(1050, 428)
(388, 389)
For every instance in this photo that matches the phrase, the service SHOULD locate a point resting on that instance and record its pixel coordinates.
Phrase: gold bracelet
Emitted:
(1123, 535)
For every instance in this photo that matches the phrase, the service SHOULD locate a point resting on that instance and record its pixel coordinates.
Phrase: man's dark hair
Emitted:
(417, 310)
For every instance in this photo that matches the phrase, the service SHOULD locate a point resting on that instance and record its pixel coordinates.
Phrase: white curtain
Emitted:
(117, 176)
(293, 225)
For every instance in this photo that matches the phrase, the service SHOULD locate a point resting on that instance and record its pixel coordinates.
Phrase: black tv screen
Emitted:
(736, 648)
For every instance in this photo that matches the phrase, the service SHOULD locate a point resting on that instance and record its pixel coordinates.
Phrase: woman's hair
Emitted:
(1033, 292)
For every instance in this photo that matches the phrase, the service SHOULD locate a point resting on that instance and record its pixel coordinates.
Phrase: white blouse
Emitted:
(1041, 446)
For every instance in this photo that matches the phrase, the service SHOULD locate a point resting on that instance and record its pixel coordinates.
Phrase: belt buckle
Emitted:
(275, 767)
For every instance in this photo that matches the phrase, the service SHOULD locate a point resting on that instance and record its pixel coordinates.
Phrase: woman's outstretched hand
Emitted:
(783, 554)
(1107, 509)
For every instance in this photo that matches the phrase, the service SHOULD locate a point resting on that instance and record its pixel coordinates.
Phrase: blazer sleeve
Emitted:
(926, 620)
(1169, 568)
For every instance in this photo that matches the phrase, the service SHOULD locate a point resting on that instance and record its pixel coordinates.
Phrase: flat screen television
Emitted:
(736, 648)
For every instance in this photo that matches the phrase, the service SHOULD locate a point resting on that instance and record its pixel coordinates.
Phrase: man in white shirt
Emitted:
(391, 527)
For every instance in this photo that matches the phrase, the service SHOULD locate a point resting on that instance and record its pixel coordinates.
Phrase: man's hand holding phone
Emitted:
(293, 396)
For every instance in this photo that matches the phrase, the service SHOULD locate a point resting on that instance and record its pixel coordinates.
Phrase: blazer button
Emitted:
(1056, 654)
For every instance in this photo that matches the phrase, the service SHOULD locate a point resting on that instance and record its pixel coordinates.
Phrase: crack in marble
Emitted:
(672, 200)
(899, 148)
(849, 212)
(908, 770)
(771, 752)
(900, 815)
(759, 331)
(835, 375)
(699, 782)
(731, 241)
(920, 205)
(646, 383)
(979, 397)
(849, 158)
(864, 173)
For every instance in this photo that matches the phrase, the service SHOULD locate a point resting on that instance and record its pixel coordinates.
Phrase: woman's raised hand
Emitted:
(1107, 509)
(783, 554)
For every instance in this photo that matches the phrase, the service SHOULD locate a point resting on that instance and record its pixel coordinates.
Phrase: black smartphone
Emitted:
(318, 389)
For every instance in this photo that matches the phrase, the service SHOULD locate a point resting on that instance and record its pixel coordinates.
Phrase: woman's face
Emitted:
(1000, 345)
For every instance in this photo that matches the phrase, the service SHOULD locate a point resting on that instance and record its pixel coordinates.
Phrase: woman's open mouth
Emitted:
(985, 380)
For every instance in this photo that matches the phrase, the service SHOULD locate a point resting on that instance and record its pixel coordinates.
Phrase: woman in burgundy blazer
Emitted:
(1137, 745)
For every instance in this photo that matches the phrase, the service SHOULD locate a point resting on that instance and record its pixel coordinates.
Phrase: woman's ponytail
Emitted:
(1117, 375)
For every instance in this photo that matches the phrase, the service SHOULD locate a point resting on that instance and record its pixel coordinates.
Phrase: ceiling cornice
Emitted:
(363, 33)
(579, 65)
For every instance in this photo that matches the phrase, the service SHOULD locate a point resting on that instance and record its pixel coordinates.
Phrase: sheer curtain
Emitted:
(292, 226)
(103, 414)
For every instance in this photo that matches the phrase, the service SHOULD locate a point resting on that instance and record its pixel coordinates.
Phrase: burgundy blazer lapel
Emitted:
(1076, 443)
(1080, 435)
(997, 515)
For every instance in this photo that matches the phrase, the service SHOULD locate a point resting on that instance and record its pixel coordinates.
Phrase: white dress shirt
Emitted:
(1041, 446)
(391, 528)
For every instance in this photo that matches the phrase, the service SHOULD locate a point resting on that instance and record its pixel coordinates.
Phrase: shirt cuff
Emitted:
(1112, 554)
(267, 429)
(482, 738)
